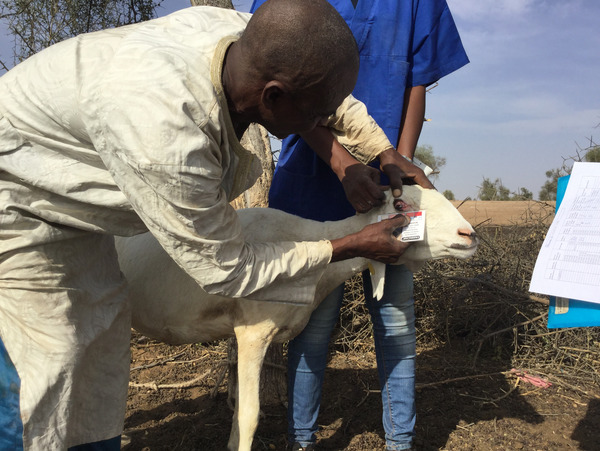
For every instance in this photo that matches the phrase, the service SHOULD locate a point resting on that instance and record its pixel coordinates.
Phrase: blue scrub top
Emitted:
(401, 43)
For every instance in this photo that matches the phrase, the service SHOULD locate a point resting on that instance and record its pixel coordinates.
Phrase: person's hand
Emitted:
(362, 188)
(396, 167)
(376, 241)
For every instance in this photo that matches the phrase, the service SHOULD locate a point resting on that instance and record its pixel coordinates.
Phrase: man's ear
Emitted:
(273, 93)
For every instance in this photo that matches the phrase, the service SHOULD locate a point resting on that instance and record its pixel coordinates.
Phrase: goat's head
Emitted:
(447, 232)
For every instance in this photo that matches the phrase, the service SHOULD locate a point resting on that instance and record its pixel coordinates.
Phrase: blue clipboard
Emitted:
(570, 312)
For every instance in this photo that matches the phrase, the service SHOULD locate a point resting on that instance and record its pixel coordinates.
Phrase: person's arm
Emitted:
(376, 241)
(357, 131)
(413, 115)
(399, 164)
(360, 181)
(351, 138)
(361, 185)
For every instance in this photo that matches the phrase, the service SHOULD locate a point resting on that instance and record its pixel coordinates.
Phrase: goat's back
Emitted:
(170, 306)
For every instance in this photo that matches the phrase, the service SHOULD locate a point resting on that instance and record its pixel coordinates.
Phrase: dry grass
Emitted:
(484, 304)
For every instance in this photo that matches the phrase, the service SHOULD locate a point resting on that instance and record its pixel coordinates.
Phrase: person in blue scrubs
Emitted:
(404, 47)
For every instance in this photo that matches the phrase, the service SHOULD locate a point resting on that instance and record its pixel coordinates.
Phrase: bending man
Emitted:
(134, 129)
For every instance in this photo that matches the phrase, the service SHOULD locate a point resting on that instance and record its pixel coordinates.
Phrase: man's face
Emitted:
(301, 112)
(298, 114)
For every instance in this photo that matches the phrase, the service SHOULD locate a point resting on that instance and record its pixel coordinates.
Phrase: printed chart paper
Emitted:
(564, 312)
(568, 264)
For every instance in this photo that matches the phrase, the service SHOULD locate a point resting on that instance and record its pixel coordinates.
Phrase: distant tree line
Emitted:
(497, 191)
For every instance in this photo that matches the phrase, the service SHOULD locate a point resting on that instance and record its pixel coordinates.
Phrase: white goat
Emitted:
(169, 306)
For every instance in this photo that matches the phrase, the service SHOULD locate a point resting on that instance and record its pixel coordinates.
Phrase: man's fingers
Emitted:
(395, 175)
(423, 181)
(401, 221)
(362, 206)
(375, 195)
(397, 223)
(362, 188)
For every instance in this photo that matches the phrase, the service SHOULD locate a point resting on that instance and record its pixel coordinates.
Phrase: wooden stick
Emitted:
(458, 379)
(158, 362)
(185, 384)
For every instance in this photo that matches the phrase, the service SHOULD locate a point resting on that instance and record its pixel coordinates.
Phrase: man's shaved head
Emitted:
(304, 43)
(294, 64)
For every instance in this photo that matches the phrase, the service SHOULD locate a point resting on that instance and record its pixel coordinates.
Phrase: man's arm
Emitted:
(413, 115)
(360, 182)
(353, 127)
(376, 241)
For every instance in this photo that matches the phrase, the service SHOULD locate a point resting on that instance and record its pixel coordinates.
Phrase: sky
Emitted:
(529, 97)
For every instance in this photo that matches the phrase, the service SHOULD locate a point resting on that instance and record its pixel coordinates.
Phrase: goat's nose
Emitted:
(468, 234)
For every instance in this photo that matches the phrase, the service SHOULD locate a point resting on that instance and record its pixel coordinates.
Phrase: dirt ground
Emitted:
(458, 407)
(178, 401)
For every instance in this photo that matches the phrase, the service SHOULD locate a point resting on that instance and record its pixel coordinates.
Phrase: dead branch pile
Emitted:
(484, 305)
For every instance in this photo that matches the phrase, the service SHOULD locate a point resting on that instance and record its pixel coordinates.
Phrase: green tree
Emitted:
(487, 190)
(37, 24)
(522, 194)
(592, 154)
(426, 155)
(548, 191)
(449, 195)
(493, 190)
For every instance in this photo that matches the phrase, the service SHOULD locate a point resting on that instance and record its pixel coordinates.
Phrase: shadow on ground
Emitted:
(480, 412)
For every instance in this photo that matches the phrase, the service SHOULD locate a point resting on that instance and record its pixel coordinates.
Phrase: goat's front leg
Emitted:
(253, 342)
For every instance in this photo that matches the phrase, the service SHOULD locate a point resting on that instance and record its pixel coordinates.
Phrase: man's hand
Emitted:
(362, 188)
(396, 167)
(376, 241)
(360, 182)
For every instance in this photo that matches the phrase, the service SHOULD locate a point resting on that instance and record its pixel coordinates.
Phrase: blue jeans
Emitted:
(11, 427)
(394, 332)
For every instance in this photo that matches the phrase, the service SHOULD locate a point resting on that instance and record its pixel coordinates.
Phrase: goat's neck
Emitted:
(339, 229)
(338, 272)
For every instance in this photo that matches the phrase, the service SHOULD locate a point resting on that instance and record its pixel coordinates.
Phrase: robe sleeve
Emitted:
(357, 131)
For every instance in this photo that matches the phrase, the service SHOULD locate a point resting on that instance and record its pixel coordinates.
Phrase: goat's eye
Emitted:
(400, 205)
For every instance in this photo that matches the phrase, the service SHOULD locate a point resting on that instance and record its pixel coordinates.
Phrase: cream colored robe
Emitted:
(127, 130)
(116, 133)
